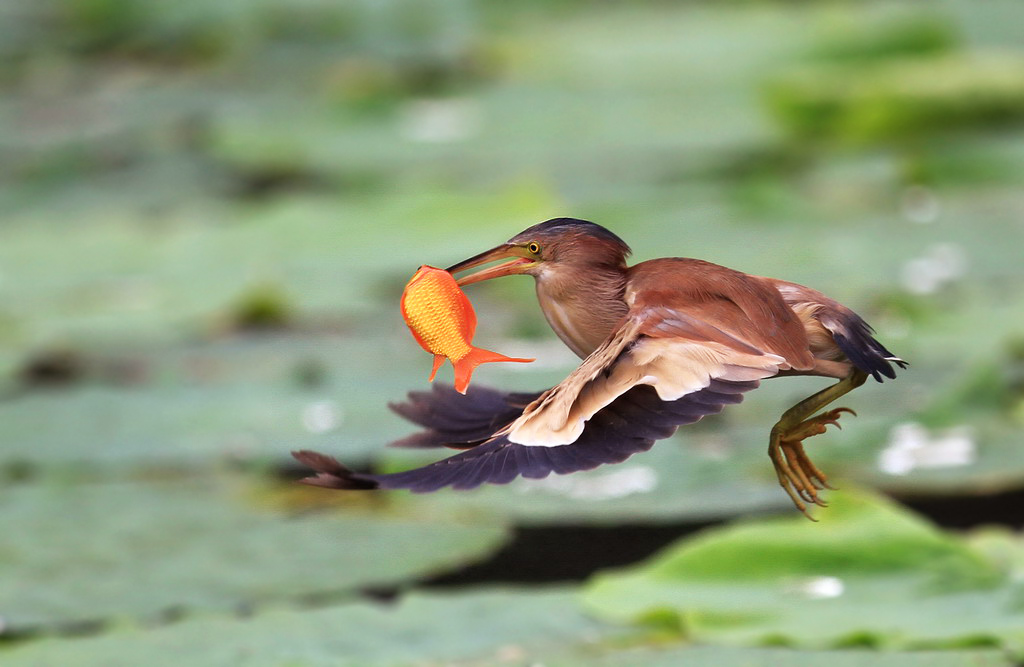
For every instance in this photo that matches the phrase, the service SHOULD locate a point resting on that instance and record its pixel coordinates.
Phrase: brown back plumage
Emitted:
(743, 307)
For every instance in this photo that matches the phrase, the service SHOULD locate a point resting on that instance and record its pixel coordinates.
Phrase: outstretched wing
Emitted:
(630, 424)
(646, 350)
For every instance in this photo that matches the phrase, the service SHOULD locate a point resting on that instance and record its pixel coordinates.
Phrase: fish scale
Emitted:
(429, 311)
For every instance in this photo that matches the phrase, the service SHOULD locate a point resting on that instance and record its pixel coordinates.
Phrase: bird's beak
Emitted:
(518, 262)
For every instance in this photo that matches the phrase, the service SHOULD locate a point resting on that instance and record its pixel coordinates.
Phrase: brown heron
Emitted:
(665, 342)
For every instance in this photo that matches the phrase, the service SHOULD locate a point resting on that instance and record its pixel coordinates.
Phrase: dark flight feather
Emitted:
(460, 421)
(628, 425)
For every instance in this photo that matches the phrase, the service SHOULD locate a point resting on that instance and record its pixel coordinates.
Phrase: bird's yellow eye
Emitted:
(534, 248)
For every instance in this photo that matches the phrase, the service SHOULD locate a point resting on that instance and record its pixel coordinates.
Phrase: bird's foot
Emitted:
(798, 475)
(816, 425)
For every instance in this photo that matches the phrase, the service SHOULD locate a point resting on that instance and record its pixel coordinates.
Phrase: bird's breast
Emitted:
(582, 323)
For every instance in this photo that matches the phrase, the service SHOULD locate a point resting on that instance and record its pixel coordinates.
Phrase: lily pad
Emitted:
(481, 627)
(83, 553)
(236, 398)
(891, 100)
(868, 574)
(244, 397)
(420, 629)
(718, 656)
(1001, 546)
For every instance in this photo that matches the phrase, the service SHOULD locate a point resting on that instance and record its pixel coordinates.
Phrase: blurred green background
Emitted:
(209, 209)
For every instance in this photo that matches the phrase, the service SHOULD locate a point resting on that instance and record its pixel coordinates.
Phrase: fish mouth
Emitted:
(516, 264)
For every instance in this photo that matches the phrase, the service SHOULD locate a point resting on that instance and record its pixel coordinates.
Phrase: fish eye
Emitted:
(534, 248)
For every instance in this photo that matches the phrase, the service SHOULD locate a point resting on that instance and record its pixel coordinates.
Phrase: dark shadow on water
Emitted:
(959, 512)
(566, 553)
(572, 553)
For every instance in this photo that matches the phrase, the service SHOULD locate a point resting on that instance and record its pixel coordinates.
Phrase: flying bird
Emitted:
(664, 342)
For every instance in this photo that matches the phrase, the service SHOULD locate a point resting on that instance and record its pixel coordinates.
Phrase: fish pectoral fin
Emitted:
(438, 360)
(465, 366)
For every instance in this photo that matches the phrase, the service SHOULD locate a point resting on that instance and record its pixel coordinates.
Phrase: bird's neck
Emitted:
(582, 306)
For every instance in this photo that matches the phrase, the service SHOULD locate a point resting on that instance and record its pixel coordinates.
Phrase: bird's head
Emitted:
(555, 245)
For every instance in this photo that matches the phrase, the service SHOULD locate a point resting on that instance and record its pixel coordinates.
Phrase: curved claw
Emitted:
(798, 476)
(815, 425)
(788, 478)
(832, 417)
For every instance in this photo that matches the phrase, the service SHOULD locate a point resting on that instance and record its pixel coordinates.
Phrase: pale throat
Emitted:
(581, 307)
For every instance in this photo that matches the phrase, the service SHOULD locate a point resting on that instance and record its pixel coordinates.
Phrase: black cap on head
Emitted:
(572, 225)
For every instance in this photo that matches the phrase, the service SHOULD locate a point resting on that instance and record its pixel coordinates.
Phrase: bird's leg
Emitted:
(800, 478)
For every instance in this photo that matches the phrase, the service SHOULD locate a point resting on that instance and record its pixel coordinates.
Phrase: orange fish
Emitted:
(443, 322)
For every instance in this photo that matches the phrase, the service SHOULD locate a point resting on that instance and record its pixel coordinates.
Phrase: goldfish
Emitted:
(443, 322)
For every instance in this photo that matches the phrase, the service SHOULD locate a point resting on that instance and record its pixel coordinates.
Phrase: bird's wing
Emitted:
(630, 424)
(459, 421)
(670, 357)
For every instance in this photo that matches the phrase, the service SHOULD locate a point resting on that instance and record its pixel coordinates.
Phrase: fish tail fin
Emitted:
(465, 366)
(438, 360)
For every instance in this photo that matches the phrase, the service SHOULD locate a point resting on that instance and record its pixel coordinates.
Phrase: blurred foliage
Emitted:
(193, 32)
(483, 627)
(53, 367)
(897, 100)
(992, 388)
(262, 308)
(185, 32)
(210, 209)
(198, 543)
(892, 34)
(869, 575)
(421, 629)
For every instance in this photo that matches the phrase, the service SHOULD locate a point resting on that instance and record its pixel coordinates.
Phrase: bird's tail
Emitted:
(855, 338)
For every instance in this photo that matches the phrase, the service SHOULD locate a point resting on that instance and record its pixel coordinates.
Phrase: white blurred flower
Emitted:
(440, 121)
(714, 447)
(911, 447)
(321, 416)
(949, 259)
(818, 588)
(942, 264)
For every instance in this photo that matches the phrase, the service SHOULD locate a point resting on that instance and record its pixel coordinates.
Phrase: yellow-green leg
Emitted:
(800, 478)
